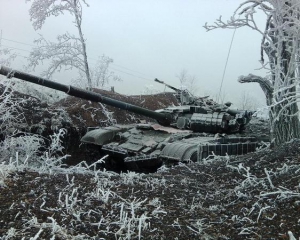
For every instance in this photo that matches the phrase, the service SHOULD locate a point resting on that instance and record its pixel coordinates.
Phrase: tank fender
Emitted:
(180, 151)
(103, 136)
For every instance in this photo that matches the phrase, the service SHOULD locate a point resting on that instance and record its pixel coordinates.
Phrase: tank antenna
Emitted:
(220, 89)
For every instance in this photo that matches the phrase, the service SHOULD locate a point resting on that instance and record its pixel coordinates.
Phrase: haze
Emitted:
(150, 39)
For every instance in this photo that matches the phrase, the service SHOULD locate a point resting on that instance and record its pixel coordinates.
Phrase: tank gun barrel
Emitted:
(167, 85)
(162, 118)
(183, 96)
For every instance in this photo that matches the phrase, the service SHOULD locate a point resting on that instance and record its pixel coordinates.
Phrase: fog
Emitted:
(150, 39)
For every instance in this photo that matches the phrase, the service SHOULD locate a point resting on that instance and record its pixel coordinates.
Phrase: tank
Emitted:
(196, 129)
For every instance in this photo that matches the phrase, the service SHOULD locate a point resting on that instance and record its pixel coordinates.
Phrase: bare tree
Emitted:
(69, 51)
(247, 102)
(280, 43)
(6, 56)
(187, 81)
(183, 76)
(101, 75)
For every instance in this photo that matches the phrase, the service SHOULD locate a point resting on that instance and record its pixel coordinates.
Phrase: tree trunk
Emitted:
(285, 126)
(284, 120)
(86, 65)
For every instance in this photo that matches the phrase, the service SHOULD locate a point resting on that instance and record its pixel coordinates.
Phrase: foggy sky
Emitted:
(151, 39)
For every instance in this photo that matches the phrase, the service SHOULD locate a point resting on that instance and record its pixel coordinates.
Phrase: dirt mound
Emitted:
(91, 114)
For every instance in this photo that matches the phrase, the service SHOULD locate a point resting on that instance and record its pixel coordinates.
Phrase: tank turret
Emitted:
(182, 132)
(201, 114)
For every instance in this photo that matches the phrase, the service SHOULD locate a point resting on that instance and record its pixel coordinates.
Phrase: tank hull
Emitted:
(145, 147)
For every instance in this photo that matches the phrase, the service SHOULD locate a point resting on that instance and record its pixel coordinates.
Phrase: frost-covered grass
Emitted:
(221, 197)
(75, 202)
(76, 205)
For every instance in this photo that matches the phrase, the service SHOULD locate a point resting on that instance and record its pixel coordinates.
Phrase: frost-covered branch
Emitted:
(264, 83)
(65, 54)
(7, 56)
(70, 51)
(280, 43)
(41, 9)
(100, 74)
